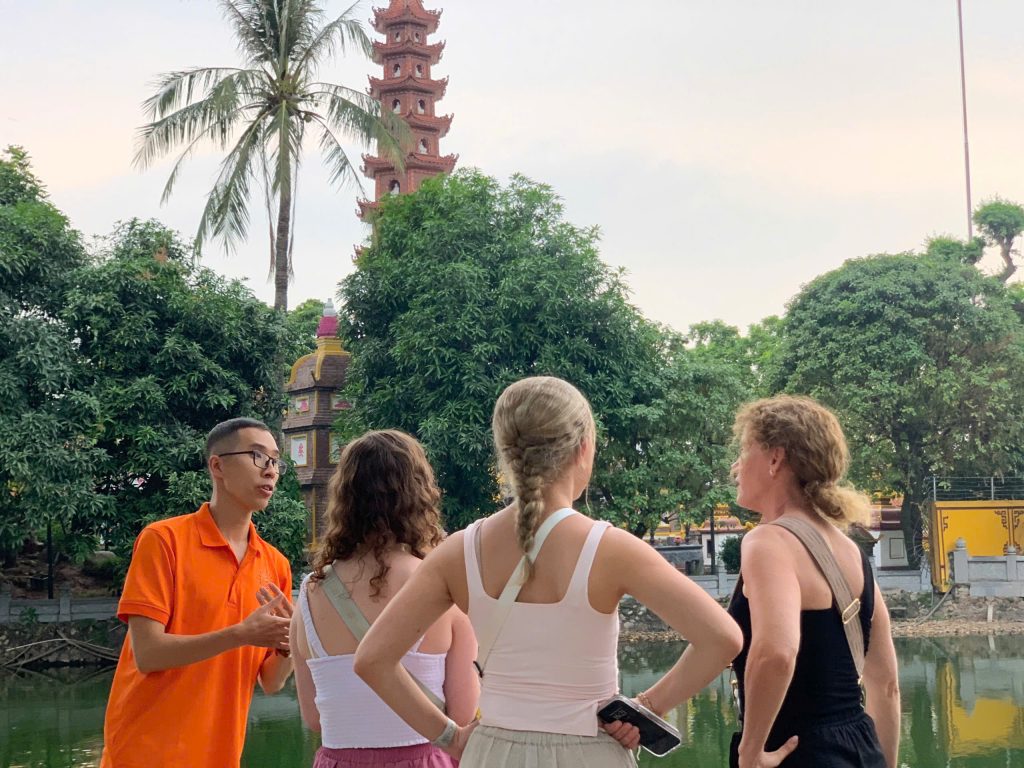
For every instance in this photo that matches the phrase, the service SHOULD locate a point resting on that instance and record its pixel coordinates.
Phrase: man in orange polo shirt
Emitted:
(207, 607)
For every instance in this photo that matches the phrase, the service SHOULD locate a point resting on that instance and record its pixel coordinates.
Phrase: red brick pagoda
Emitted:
(408, 89)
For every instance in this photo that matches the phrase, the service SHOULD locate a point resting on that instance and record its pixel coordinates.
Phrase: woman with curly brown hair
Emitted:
(814, 623)
(382, 520)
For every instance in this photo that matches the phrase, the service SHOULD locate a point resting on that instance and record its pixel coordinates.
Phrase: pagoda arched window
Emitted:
(423, 147)
(396, 70)
(416, 35)
(394, 188)
(396, 106)
(419, 70)
(421, 107)
(398, 37)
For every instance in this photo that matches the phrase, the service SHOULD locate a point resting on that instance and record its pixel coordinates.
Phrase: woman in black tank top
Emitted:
(799, 695)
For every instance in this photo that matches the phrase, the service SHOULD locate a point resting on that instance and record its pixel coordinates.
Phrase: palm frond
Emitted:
(335, 37)
(249, 21)
(219, 110)
(226, 213)
(177, 88)
(272, 231)
(285, 158)
(358, 115)
(173, 177)
(337, 161)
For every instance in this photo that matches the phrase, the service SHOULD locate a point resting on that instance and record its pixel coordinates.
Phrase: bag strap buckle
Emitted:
(851, 610)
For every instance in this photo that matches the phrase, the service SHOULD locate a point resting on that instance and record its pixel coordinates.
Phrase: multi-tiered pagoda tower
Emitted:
(408, 89)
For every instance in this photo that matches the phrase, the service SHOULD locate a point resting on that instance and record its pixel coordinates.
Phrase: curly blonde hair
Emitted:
(382, 493)
(539, 424)
(816, 451)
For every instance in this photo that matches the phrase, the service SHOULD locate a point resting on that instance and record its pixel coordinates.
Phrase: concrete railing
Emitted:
(993, 576)
(63, 608)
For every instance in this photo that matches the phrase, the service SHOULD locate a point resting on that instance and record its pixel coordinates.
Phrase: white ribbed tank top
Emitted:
(351, 714)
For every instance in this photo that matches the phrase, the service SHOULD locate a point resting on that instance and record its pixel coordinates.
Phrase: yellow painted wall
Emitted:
(988, 527)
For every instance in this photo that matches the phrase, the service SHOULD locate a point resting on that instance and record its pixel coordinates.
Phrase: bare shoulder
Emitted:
(622, 553)
(449, 554)
(763, 538)
(767, 547)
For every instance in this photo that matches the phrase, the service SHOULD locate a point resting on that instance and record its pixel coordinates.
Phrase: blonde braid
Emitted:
(539, 424)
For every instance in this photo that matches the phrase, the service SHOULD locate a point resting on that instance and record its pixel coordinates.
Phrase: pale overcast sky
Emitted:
(730, 150)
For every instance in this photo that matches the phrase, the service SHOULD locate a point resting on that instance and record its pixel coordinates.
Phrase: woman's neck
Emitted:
(786, 502)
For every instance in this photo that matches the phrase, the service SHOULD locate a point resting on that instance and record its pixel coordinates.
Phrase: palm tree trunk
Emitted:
(281, 255)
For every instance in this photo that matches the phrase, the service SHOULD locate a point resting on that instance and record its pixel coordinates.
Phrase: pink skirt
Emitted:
(415, 756)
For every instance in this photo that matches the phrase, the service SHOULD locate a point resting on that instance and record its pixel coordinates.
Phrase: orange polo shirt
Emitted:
(185, 575)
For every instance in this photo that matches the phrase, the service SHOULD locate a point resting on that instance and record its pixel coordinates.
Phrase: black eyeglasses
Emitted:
(261, 460)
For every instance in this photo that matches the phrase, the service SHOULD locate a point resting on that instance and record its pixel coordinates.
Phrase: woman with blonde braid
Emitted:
(554, 659)
(799, 668)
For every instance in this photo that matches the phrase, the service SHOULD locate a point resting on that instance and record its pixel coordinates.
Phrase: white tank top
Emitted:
(552, 663)
(351, 714)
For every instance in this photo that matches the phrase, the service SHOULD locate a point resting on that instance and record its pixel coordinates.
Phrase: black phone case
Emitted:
(653, 737)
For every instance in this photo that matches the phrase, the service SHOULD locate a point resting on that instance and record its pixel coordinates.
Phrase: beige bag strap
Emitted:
(845, 603)
(356, 622)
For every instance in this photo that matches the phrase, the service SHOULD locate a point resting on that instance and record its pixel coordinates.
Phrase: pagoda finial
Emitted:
(328, 326)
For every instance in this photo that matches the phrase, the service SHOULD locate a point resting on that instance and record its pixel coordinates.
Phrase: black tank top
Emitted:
(824, 686)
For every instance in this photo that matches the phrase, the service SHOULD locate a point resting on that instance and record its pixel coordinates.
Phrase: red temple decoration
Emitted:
(408, 89)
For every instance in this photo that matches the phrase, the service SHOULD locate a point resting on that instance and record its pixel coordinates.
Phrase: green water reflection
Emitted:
(963, 707)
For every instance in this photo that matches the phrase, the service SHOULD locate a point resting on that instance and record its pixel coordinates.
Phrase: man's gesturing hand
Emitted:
(267, 626)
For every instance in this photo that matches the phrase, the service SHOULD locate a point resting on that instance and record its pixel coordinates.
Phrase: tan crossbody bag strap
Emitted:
(356, 622)
(845, 603)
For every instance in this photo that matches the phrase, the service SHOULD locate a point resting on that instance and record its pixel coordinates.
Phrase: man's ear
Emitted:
(215, 466)
(777, 457)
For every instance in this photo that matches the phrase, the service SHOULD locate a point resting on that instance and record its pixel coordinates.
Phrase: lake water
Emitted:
(963, 707)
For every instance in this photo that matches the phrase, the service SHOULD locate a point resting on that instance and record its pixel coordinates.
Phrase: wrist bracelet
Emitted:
(645, 701)
(447, 735)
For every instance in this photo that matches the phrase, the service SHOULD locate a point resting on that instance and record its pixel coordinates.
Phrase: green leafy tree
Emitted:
(703, 379)
(967, 252)
(172, 350)
(921, 357)
(267, 108)
(1002, 223)
(468, 286)
(301, 324)
(731, 554)
(48, 425)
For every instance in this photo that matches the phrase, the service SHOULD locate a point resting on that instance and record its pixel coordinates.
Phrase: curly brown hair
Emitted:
(383, 493)
(815, 449)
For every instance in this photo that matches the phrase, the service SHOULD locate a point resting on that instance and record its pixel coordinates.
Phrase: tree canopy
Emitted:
(1001, 222)
(467, 286)
(113, 367)
(171, 349)
(920, 356)
(48, 425)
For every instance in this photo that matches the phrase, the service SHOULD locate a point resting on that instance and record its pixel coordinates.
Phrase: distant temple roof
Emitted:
(405, 12)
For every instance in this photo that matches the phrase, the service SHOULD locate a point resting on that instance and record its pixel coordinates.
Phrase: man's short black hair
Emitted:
(227, 429)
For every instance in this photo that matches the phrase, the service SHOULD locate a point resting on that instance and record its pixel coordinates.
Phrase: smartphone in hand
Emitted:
(656, 736)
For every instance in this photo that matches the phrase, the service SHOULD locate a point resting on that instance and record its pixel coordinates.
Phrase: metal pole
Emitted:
(49, 560)
(963, 99)
(714, 551)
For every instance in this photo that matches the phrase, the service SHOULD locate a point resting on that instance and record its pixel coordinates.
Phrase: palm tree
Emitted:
(265, 109)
